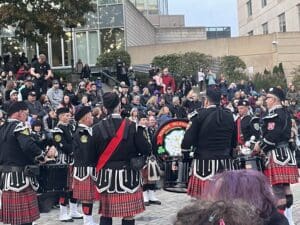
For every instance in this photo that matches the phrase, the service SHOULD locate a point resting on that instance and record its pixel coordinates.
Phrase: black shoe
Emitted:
(155, 202)
(67, 221)
(146, 203)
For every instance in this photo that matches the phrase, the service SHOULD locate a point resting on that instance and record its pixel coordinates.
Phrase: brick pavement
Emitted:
(158, 215)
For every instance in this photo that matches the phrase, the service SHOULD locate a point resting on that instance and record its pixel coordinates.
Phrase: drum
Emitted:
(254, 163)
(176, 174)
(167, 146)
(53, 178)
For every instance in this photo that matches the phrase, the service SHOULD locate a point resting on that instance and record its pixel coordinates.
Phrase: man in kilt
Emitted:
(281, 167)
(211, 132)
(119, 185)
(84, 164)
(63, 141)
(18, 204)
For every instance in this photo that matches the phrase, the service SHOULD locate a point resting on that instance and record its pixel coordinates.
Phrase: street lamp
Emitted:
(72, 26)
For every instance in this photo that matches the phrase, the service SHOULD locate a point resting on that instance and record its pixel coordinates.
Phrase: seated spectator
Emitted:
(13, 97)
(218, 213)
(177, 110)
(55, 94)
(145, 96)
(35, 108)
(250, 186)
(69, 91)
(163, 115)
(66, 103)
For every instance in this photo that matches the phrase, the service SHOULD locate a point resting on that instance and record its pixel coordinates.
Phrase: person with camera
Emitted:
(120, 145)
(18, 158)
(42, 73)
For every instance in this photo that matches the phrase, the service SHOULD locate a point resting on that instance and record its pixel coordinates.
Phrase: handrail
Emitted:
(106, 78)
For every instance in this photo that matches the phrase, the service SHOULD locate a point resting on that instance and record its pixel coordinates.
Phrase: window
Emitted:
(250, 33)
(282, 23)
(264, 3)
(265, 28)
(249, 7)
(299, 15)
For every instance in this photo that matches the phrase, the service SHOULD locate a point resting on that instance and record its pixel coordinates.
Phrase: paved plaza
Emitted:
(158, 215)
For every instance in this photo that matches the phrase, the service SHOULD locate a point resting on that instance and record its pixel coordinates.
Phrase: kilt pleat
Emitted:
(278, 174)
(84, 190)
(19, 207)
(196, 186)
(70, 177)
(121, 204)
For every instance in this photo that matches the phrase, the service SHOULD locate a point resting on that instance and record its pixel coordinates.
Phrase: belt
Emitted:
(7, 169)
(117, 164)
(282, 144)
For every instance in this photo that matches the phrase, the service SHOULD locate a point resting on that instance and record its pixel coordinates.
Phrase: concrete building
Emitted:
(115, 24)
(258, 52)
(268, 16)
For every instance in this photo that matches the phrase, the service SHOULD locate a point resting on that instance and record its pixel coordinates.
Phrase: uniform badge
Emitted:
(25, 132)
(57, 138)
(83, 139)
(271, 126)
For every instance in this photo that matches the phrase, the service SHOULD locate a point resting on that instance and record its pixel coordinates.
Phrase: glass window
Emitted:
(81, 46)
(265, 28)
(43, 48)
(249, 8)
(31, 50)
(67, 49)
(282, 22)
(56, 52)
(93, 47)
(264, 3)
(112, 39)
(103, 2)
(111, 16)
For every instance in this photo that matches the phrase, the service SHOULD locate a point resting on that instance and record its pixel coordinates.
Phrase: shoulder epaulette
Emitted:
(192, 115)
(56, 130)
(20, 127)
(270, 116)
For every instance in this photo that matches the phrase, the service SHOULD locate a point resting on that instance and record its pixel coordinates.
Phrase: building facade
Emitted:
(115, 24)
(257, 17)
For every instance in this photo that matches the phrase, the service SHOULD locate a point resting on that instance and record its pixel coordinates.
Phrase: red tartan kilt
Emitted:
(278, 174)
(121, 204)
(19, 207)
(70, 177)
(196, 186)
(84, 190)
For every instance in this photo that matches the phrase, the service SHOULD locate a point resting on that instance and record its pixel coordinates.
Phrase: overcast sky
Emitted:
(207, 12)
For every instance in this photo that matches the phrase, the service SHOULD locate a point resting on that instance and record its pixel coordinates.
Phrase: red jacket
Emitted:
(169, 81)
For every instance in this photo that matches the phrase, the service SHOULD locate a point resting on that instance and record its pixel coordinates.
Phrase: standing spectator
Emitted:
(211, 79)
(23, 59)
(201, 77)
(292, 93)
(55, 94)
(86, 72)
(34, 59)
(185, 86)
(95, 95)
(79, 66)
(41, 70)
(168, 96)
(168, 80)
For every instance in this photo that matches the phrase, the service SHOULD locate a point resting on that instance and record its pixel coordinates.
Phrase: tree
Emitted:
(109, 59)
(35, 19)
(296, 77)
(231, 63)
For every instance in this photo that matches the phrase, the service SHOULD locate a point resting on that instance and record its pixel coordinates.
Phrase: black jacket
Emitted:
(133, 142)
(17, 148)
(212, 133)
